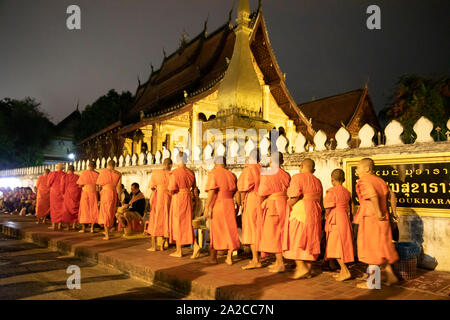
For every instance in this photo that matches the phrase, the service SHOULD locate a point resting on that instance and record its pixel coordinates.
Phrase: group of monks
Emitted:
(280, 215)
(70, 198)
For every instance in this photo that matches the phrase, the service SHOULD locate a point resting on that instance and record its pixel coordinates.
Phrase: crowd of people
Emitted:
(20, 201)
(284, 216)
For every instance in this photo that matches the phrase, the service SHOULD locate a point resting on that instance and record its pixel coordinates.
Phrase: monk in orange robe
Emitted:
(160, 204)
(374, 242)
(72, 193)
(43, 197)
(89, 197)
(337, 204)
(56, 197)
(272, 187)
(220, 208)
(110, 181)
(248, 184)
(303, 229)
(182, 186)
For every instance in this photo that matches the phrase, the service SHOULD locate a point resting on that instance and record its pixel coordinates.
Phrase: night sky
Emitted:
(323, 46)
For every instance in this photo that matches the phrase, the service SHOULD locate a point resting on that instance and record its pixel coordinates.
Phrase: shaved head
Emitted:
(167, 163)
(91, 165)
(308, 165)
(181, 157)
(338, 175)
(368, 163)
(71, 168)
(111, 164)
(47, 171)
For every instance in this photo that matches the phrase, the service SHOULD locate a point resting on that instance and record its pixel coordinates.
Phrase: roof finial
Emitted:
(243, 11)
(152, 67)
(78, 105)
(259, 5)
(366, 85)
(139, 81)
(230, 14)
(205, 26)
(164, 53)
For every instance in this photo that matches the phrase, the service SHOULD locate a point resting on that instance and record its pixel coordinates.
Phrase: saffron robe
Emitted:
(337, 225)
(72, 193)
(181, 182)
(89, 198)
(43, 197)
(302, 238)
(224, 234)
(56, 197)
(251, 212)
(159, 204)
(273, 185)
(374, 240)
(108, 180)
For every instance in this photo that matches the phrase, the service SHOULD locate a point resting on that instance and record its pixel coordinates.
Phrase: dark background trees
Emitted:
(415, 96)
(103, 112)
(24, 133)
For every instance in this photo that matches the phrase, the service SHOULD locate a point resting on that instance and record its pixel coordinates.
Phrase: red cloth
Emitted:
(302, 240)
(160, 204)
(252, 213)
(108, 179)
(56, 197)
(274, 209)
(88, 212)
(223, 234)
(338, 226)
(374, 241)
(181, 181)
(43, 197)
(72, 193)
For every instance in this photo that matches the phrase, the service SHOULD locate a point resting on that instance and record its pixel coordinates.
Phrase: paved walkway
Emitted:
(195, 278)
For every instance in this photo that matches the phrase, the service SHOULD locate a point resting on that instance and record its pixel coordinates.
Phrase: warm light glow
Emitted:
(71, 156)
(10, 183)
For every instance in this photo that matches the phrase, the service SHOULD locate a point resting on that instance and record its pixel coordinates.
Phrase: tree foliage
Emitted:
(415, 96)
(24, 133)
(103, 112)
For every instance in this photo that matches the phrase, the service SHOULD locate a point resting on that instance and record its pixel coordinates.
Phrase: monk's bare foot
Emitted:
(229, 262)
(211, 261)
(362, 285)
(52, 228)
(252, 265)
(82, 231)
(151, 249)
(344, 276)
(301, 274)
(176, 255)
(277, 269)
(106, 238)
(391, 279)
(196, 252)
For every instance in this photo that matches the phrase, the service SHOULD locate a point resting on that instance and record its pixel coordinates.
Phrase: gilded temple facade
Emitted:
(227, 80)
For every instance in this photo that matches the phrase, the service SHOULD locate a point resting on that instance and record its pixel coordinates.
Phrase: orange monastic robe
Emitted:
(160, 204)
(273, 185)
(302, 239)
(181, 181)
(337, 225)
(252, 213)
(89, 199)
(72, 194)
(108, 180)
(374, 237)
(56, 197)
(224, 234)
(43, 197)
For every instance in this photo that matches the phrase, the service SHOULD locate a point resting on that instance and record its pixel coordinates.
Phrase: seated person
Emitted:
(125, 197)
(134, 210)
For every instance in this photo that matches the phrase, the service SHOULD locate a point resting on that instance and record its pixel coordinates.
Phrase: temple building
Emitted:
(229, 79)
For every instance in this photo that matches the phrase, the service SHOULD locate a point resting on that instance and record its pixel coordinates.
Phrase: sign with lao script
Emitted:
(421, 182)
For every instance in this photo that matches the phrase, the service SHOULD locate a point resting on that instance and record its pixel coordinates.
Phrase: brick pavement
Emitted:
(198, 279)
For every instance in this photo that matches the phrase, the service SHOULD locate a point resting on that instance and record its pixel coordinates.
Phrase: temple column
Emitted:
(266, 102)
